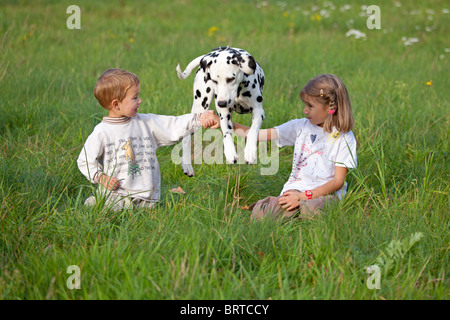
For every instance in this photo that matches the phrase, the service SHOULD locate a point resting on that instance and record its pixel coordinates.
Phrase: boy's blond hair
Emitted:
(329, 90)
(114, 84)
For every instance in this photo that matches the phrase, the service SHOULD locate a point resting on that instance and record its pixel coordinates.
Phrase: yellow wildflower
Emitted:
(429, 83)
(212, 30)
(316, 17)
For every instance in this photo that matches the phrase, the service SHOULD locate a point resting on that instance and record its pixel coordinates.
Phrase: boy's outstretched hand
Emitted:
(210, 120)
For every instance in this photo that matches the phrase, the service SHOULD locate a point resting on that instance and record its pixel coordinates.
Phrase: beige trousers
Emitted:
(269, 207)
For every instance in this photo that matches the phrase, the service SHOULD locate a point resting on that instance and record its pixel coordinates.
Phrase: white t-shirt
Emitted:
(316, 153)
(125, 148)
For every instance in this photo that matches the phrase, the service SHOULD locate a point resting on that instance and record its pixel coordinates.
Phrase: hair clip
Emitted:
(321, 92)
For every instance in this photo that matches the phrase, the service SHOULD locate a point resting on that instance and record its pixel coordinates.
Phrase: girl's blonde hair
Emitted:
(114, 84)
(330, 91)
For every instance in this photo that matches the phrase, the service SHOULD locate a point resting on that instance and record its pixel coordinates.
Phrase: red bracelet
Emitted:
(308, 194)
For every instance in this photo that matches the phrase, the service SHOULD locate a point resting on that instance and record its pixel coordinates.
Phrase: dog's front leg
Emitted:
(252, 136)
(227, 129)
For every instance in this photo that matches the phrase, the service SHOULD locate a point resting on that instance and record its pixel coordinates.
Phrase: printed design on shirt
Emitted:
(334, 135)
(308, 155)
(297, 167)
(133, 167)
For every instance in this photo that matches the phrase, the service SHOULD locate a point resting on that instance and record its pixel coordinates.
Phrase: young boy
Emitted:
(120, 154)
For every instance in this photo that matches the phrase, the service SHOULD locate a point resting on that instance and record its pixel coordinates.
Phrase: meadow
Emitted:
(202, 244)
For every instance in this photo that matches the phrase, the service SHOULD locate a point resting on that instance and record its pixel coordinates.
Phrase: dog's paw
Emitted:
(231, 156)
(187, 169)
(250, 154)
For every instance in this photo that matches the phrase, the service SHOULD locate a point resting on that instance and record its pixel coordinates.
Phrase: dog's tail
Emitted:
(193, 64)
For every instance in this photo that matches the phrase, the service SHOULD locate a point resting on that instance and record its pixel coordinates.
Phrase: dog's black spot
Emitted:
(215, 96)
(261, 81)
(259, 99)
(262, 117)
(204, 64)
(198, 93)
(253, 86)
(208, 90)
(220, 48)
(229, 101)
(247, 94)
(239, 90)
(228, 116)
(205, 99)
(251, 62)
(229, 127)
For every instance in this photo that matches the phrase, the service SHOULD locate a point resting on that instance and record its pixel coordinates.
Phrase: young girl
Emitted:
(325, 148)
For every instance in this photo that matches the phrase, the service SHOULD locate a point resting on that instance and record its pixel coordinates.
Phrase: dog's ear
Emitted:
(248, 65)
(205, 63)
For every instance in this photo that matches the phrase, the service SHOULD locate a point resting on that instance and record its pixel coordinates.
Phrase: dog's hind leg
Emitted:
(186, 163)
(203, 95)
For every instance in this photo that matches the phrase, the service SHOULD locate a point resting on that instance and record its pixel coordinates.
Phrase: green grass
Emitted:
(202, 245)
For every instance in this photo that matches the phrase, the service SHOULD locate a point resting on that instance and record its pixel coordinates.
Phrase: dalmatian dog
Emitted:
(235, 80)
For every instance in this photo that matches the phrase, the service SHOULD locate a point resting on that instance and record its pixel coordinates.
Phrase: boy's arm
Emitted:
(88, 162)
(168, 130)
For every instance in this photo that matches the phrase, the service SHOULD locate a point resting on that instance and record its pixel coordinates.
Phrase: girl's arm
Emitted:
(331, 186)
(212, 121)
(291, 199)
(263, 134)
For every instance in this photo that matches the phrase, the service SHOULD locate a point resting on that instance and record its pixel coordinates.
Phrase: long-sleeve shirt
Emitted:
(125, 148)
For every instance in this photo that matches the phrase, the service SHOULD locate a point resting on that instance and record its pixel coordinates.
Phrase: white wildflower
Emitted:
(356, 33)
(409, 41)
